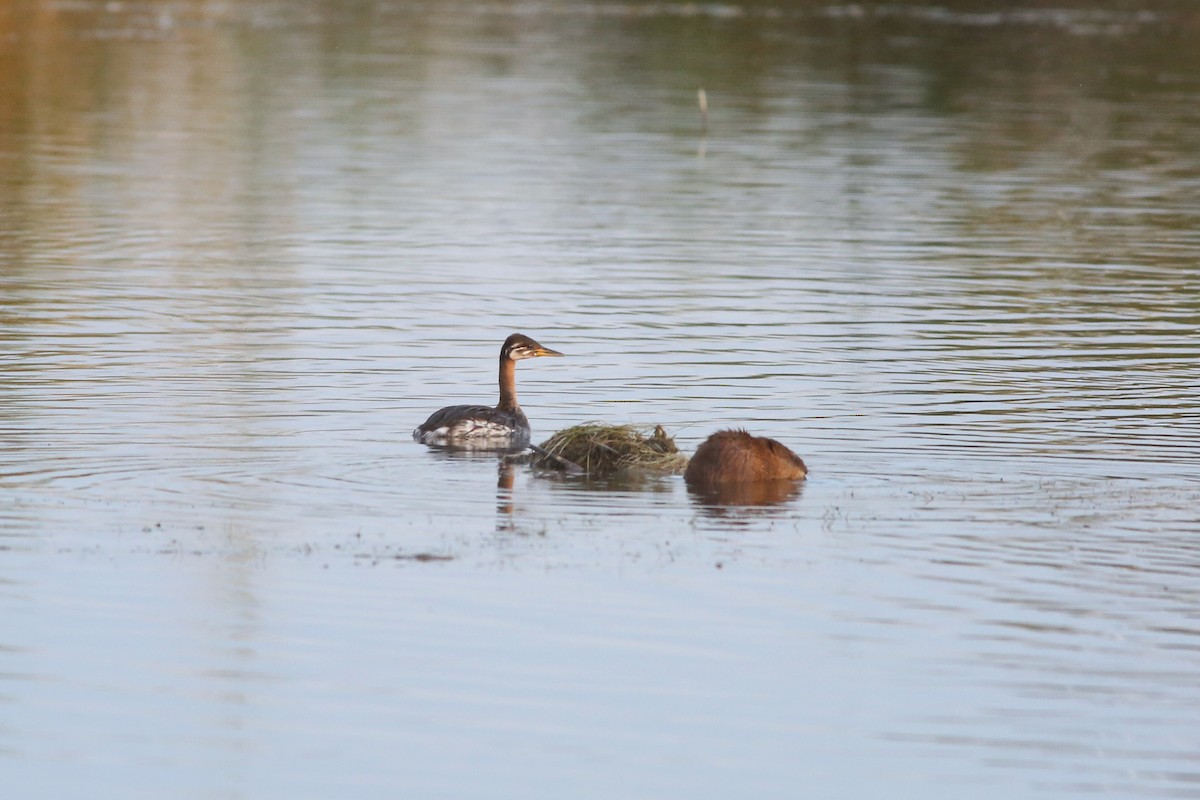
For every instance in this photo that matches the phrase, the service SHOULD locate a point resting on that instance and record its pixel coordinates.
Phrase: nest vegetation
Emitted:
(603, 451)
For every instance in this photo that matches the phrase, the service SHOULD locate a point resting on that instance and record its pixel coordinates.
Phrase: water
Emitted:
(946, 253)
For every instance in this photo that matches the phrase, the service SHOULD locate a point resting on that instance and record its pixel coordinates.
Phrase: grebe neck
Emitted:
(508, 384)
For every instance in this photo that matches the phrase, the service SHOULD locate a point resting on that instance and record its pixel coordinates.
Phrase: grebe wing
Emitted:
(448, 416)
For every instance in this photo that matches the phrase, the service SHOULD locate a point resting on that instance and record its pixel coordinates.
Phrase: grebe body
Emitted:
(485, 427)
(482, 425)
(735, 456)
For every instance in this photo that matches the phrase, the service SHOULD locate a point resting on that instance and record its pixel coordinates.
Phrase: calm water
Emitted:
(950, 254)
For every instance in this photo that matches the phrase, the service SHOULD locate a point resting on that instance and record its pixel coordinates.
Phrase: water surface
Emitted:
(946, 253)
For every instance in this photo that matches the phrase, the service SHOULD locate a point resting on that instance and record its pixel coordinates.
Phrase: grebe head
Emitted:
(519, 346)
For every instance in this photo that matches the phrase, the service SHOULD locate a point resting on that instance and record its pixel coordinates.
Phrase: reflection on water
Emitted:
(946, 252)
(754, 493)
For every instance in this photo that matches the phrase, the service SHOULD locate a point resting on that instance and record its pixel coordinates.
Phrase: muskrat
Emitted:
(735, 456)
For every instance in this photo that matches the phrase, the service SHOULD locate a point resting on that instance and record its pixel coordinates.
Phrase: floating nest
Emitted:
(603, 451)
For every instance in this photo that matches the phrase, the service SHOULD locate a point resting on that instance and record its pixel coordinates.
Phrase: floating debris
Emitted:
(602, 451)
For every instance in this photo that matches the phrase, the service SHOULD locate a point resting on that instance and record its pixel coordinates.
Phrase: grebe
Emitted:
(484, 427)
(738, 457)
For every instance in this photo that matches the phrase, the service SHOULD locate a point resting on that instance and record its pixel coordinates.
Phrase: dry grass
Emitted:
(606, 450)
